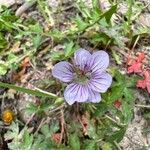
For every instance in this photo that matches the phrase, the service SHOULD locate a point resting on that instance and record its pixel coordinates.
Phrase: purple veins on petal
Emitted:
(99, 61)
(87, 76)
(75, 93)
(63, 71)
(100, 83)
(94, 96)
(81, 58)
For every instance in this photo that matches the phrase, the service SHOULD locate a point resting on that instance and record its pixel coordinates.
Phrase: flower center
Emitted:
(82, 77)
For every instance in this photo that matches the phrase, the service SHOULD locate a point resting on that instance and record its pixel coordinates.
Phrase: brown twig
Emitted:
(62, 126)
(30, 119)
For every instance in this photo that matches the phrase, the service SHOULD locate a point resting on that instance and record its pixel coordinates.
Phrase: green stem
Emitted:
(29, 91)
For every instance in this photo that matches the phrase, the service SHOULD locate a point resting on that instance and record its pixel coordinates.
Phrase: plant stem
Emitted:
(29, 91)
(142, 106)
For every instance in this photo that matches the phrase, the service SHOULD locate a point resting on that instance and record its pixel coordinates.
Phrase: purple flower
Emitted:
(87, 76)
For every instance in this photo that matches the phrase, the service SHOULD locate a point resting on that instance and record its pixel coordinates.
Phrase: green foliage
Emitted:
(106, 124)
(21, 140)
(69, 49)
(74, 142)
(6, 25)
(10, 63)
(28, 91)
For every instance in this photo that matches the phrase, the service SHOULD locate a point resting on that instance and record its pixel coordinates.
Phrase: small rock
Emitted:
(7, 3)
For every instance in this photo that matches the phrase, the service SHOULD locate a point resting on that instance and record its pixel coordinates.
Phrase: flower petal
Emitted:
(94, 97)
(101, 82)
(81, 58)
(99, 61)
(76, 93)
(63, 71)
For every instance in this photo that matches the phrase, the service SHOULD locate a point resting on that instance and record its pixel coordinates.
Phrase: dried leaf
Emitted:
(15, 48)
(56, 137)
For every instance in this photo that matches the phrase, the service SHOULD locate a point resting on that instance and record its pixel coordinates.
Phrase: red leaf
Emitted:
(146, 74)
(130, 61)
(136, 67)
(146, 82)
(147, 79)
(141, 57)
(117, 103)
(141, 84)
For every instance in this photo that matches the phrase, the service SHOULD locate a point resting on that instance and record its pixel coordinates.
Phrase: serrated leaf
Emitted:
(110, 12)
(116, 57)
(127, 112)
(117, 93)
(92, 130)
(80, 23)
(69, 49)
(3, 42)
(58, 56)
(3, 68)
(129, 95)
(117, 135)
(27, 141)
(74, 142)
(36, 41)
(36, 28)
(90, 145)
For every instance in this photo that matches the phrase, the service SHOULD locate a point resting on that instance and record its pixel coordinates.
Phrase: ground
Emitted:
(34, 36)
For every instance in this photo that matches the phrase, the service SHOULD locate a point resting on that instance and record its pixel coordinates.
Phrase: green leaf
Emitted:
(101, 109)
(119, 77)
(12, 58)
(36, 28)
(92, 130)
(99, 38)
(127, 112)
(129, 95)
(37, 41)
(146, 130)
(3, 68)
(46, 130)
(32, 108)
(55, 56)
(69, 49)
(90, 145)
(143, 30)
(131, 81)
(28, 91)
(116, 57)
(109, 13)
(27, 140)
(117, 93)
(3, 42)
(74, 142)
(117, 135)
(80, 23)
(106, 146)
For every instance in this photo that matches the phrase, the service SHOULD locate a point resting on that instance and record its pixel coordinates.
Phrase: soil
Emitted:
(134, 138)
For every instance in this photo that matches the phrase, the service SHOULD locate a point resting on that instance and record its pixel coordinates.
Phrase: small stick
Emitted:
(116, 144)
(114, 121)
(62, 126)
(142, 106)
(24, 7)
(40, 125)
(135, 43)
(30, 119)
